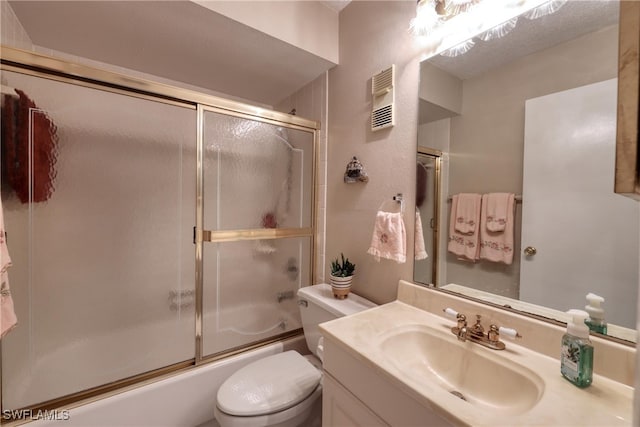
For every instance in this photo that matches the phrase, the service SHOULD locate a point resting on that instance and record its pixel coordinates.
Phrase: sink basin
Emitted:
(468, 371)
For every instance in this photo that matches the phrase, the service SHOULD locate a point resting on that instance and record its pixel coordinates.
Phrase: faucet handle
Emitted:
(495, 332)
(450, 312)
(509, 333)
(459, 317)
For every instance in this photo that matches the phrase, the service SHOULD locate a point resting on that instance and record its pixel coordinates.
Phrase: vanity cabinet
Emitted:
(341, 408)
(356, 394)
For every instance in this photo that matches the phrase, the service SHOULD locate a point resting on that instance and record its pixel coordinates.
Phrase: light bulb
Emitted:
(426, 20)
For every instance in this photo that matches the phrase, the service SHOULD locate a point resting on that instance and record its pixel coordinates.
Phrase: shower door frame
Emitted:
(39, 65)
(436, 156)
(203, 236)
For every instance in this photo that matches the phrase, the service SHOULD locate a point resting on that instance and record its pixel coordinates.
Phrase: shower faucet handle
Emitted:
(285, 295)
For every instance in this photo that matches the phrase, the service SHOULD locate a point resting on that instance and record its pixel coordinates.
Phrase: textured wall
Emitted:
(373, 35)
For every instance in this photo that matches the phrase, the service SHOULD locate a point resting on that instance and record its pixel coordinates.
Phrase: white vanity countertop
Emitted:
(604, 403)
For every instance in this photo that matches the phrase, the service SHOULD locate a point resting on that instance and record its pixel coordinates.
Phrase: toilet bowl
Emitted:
(284, 390)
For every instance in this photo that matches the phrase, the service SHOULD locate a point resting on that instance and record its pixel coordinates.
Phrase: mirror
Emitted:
(427, 250)
(534, 114)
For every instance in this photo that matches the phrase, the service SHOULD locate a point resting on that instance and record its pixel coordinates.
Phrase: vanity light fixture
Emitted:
(427, 17)
(431, 15)
(455, 7)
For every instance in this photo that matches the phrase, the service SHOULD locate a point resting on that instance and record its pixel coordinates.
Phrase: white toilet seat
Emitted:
(290, 417)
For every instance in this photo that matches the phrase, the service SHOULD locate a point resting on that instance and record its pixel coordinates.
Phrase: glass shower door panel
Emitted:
(257, 175)
(249, 294)
(424, 268)
(103, 265)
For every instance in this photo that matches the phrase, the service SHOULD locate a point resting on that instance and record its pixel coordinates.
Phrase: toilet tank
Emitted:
(317, 305)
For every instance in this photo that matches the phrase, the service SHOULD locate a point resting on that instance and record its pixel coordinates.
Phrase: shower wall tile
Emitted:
(322, 188)
(322, 156)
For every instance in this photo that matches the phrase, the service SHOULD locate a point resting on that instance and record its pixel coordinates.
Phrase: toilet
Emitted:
(284, 389)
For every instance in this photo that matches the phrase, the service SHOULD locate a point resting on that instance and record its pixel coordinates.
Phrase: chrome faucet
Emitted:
(476, 333)
(462, 327)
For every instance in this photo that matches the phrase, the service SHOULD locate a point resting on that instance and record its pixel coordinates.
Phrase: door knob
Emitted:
(530, 251)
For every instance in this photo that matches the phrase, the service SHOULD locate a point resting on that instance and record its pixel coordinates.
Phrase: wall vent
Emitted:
(382, 91)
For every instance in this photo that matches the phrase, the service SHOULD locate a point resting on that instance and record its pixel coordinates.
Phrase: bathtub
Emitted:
(90, 361)
(184, 399)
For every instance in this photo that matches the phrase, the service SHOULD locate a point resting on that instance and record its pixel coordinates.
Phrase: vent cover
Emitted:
(382, 85)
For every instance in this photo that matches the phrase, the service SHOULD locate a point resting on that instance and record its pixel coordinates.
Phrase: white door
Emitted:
(586, 236)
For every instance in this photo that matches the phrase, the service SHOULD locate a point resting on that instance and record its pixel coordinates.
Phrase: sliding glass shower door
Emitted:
(258, 217)
(150, 228)
(103, 260)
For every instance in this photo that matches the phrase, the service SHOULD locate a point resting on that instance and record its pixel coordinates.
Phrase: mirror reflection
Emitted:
(533, 114)
(427, 207)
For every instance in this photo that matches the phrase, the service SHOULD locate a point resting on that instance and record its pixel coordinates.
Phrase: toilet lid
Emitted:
(268, 385)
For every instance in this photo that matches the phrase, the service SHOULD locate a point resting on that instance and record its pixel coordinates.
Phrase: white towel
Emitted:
(389, 238)
(465, 246)
(419, 248)
(497, 246)
(496, 209)
(7, 314)
(467, 213)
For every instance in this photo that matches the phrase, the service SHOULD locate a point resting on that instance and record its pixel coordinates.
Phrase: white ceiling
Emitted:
(178, 40)
(574, 19)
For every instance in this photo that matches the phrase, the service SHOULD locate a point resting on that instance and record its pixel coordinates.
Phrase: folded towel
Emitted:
(389, 238)
(467, 213)
(466, 246)
(497, 209)
(419, 250)
(497, 246)
(7, 314)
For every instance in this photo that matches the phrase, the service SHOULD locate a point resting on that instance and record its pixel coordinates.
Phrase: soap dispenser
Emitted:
(576, 358)
(595, 322)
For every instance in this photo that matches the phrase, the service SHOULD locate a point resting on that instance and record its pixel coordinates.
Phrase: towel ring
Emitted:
(398, 199)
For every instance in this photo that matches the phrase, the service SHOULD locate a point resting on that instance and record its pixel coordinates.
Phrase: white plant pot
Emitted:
(341, 286)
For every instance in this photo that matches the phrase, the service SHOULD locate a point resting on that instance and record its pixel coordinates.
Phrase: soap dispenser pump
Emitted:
(576, 358)
(596, 321)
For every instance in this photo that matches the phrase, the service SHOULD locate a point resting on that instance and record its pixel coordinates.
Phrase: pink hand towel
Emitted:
(389, 238)
(465, 246)
(497, 246)
(420, 251)
(467, 213)
(7, 314)
(497, 210)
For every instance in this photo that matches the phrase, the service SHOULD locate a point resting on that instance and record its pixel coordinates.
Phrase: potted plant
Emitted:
(341, 276)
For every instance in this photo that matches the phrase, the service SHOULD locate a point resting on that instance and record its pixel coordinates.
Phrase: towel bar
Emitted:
(518, 198)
